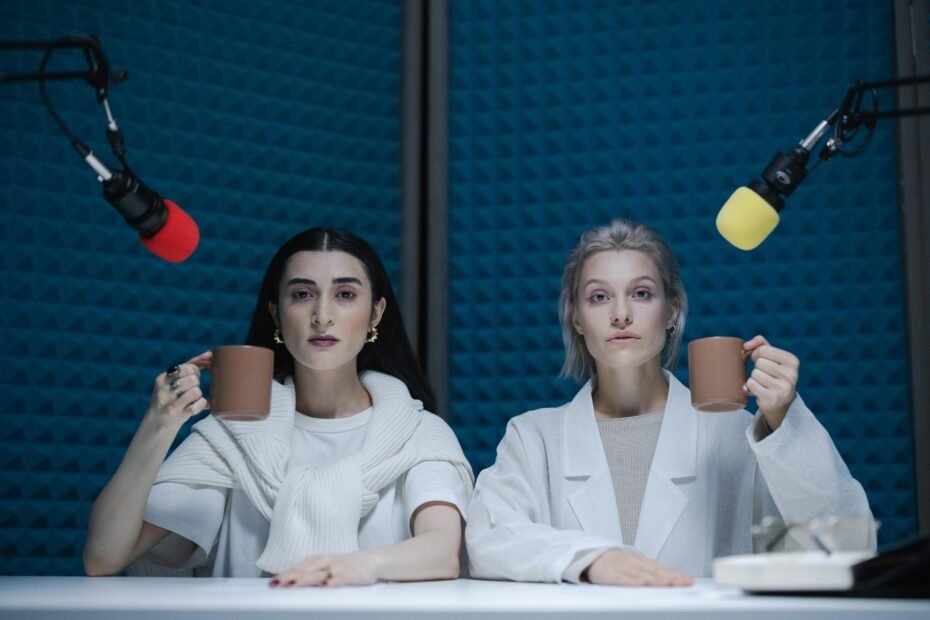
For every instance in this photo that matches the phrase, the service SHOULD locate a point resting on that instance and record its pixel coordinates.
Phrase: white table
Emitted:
(151, 597)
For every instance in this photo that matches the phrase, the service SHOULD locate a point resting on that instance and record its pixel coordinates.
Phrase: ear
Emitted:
(673, 318)
(378, 311)
(273, 309)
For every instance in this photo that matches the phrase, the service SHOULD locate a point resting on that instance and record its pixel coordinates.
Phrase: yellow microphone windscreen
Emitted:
(746, 219)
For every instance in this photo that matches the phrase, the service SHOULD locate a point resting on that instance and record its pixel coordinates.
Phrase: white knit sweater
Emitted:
(314, 510)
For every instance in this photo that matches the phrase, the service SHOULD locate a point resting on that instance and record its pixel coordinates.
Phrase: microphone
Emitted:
(752, 212)
(164, 228)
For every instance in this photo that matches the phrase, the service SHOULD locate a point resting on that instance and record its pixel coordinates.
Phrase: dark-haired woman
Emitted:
(348, 481)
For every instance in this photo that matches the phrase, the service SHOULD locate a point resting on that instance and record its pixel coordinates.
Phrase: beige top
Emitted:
(629, 444)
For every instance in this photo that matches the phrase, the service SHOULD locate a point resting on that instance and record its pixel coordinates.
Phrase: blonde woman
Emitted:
(627, 484)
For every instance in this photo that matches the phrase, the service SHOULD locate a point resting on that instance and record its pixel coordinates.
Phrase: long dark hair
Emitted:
(391, 354)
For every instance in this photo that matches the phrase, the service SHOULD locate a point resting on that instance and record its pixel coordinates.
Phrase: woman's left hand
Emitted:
(348, 569)
(773, 381)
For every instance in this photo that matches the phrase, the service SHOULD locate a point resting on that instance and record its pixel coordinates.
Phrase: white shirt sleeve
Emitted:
(433, 481)
(805, 475)
(193, 514)
(583, 559)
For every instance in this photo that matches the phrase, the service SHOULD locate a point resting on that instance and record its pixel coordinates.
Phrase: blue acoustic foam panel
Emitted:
(260, 118)
(566, 114)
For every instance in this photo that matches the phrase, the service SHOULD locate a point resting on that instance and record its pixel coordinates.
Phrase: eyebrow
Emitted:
(603, 283)
(308, 281)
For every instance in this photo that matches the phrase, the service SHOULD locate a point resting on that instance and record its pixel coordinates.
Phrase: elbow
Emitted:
(450, 567)
(97, 566)
(447, 563)
(97, 571)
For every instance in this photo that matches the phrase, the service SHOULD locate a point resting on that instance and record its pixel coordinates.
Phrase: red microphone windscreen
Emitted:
(177, 239)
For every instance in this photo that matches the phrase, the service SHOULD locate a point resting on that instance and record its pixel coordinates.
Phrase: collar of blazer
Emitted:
(674, 462)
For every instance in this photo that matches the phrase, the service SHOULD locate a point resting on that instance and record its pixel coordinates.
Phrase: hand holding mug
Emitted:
(773, 381)
(177, 395)
(241, 388)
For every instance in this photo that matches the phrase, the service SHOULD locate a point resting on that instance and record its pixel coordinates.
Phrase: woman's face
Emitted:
(325, 308)
(621, 309)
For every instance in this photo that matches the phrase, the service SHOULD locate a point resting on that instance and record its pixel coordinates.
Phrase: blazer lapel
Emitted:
(593, 502)
(674, 462)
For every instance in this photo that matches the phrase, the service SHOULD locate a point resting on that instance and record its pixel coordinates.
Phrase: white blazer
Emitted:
(546, 509)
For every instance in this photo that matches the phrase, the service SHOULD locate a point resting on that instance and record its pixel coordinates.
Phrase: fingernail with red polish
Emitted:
(274, 583)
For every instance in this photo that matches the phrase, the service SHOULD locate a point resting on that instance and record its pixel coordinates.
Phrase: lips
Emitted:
(323, 341)
(623, 337)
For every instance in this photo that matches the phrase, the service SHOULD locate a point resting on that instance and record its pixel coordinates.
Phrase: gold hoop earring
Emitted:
(277, 336)
(372, 334)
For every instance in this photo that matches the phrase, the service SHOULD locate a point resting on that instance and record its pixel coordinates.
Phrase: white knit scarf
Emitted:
(314, 510)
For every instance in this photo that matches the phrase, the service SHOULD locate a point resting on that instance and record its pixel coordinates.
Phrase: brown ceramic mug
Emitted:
(241, 384)
(717, 372)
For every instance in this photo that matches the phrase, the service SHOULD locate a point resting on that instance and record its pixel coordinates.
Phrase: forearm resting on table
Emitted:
(432, 552)
(115, 533)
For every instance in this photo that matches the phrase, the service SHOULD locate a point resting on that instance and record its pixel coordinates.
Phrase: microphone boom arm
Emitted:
(99, 73)
(142, 208)
(855, 118)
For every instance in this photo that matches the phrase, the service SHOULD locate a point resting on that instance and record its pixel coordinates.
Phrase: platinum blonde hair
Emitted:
(620, 234)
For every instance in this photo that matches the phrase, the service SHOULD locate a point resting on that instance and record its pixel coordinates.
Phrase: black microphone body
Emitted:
(783, 175)
(142, 208)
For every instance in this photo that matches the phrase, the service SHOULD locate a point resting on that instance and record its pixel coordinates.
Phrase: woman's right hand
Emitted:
(176, 398)
(619, 568)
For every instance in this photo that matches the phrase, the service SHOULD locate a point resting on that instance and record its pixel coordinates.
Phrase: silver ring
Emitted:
(173, 384)
(174, 372)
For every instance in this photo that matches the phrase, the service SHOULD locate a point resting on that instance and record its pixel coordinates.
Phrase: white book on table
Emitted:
(792, 571)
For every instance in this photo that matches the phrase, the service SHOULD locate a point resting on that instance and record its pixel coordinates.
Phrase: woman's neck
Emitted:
(625, 392)
(336, 393)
